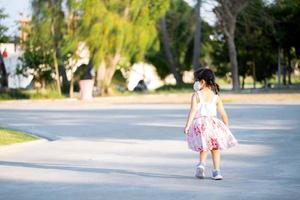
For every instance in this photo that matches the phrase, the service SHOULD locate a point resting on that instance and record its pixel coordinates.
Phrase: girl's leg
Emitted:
(203, 156)
(201, 166)
(216, 158)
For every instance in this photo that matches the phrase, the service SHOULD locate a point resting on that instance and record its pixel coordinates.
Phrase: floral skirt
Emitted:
(208, 133)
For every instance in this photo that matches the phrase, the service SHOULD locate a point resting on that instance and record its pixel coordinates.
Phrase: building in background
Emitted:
(11, 53)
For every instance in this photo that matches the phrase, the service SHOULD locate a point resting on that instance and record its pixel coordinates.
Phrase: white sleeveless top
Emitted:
(207, 108)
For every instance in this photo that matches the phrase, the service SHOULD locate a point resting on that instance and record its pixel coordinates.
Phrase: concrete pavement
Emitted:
(139, 152)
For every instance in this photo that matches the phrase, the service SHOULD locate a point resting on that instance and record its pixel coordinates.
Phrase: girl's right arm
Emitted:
(222, 111)
(192, 113)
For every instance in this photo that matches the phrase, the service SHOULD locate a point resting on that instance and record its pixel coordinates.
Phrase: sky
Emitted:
(14, 8)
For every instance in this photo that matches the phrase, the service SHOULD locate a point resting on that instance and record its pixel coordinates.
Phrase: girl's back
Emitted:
(206, 104)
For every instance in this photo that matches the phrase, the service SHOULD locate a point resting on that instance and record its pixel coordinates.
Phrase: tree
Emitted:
(227, 12)
(256, 53)
(36, 59)
(3, 38)
(115, 30)
(218, 54)
(178, 33)
(286, 18)
(197, 36)
(42, 49)
(257, 50)
(48, 17)
(172, 64)
(72, 39)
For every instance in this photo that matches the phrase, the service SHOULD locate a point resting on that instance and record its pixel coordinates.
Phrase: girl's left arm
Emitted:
(192, 113)
(222, 111)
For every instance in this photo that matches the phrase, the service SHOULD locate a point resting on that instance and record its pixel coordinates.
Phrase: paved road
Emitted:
(138, 152)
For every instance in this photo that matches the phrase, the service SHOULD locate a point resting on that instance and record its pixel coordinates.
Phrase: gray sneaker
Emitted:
(200, 171)
(216, 175)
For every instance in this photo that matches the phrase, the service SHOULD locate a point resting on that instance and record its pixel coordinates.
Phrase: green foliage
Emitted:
(36, 60)
(120, 27)
(158, 59)
(184, 87)
(180, 21)
(13, 94)
(180, 29)
(48, 93)
(219, 55)
(129, 28)
(3, 37)
(286, 19)
(255, 47)
(44, 38)
(126, 28)
(71, 34)
(261, 29)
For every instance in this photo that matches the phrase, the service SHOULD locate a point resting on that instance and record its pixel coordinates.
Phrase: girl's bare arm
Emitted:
(222, 111)
(192, 112)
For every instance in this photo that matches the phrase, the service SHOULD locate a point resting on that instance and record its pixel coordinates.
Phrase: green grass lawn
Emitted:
(8, 136)
(15, 94)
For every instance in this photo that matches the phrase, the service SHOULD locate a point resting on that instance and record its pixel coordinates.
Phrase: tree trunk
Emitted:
(243, 82)
(100, 77)
(100, 74)
(234, 63)
(54, 57)
(197, 36)
(284, 74)
(226, 13)
(279, 67)
(173, 66)
(254, 75)
(284, 67)
(265, 83)
(63, 74)
(289, 68)
(55, 63)
(71, 88)
(3, 73)
(106, 72)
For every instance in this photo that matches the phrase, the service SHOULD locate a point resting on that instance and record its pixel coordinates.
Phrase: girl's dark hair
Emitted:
(209, 77)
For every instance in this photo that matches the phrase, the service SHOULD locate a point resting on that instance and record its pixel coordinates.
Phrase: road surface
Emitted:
(139, 152)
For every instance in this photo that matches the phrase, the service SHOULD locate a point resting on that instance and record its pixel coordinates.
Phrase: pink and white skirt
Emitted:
(208, 133)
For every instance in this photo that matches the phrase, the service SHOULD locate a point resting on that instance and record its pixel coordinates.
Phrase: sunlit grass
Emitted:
(12, 94)
(8, 136)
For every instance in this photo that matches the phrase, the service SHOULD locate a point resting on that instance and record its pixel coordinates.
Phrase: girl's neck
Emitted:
(206, 89)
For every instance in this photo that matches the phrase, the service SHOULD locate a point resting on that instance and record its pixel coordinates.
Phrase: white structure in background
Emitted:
(170, 80)
(146, 72)
(82, 58)
(188, 76)
(11, 63)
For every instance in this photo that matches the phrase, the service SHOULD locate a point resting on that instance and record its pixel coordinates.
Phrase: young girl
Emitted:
(203, 130)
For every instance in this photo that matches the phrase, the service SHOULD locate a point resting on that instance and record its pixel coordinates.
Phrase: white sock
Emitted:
(201, 163)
